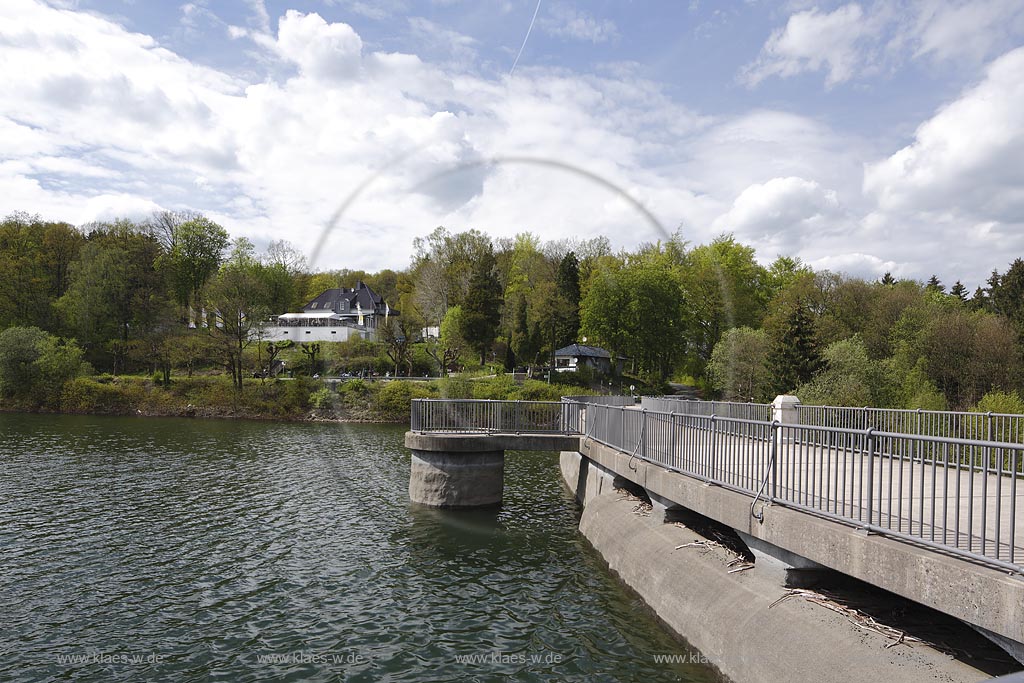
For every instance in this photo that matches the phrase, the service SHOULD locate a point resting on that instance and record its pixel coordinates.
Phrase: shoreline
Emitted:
(198, 415)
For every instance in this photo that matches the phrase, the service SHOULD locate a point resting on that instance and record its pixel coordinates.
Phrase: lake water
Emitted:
(191, 550)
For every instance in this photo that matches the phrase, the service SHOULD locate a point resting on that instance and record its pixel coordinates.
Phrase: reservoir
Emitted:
(194, 550)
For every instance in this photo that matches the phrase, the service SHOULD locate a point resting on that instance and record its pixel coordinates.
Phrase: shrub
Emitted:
(456, 387)
(1000, 402)
(393, 401)
(86, 395)
(502, 387)
(535, 390)
(353, 388)
(1005, 403)
(321, 398)
(37, 365)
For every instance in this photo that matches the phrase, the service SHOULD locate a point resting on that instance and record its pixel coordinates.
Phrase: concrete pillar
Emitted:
(457, 480)
(784, 409)
(663, 509)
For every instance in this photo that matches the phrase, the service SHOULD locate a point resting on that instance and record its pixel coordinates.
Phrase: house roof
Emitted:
(579, 350)
(358, 297)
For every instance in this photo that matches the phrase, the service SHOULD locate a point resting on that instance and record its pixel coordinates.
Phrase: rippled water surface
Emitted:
(188, 550)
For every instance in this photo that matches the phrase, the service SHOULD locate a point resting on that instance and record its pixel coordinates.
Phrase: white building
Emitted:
(335, 315)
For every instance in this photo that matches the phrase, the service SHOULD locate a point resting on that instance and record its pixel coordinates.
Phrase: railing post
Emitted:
(871, 472)
(774, 460)
(415, 415)
(672, 439)
(643, 434)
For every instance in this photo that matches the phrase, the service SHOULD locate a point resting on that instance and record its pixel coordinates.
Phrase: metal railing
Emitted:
(758, 412)
(857, 477)
(962, 496)
(505, 417)
(961, 425)
(944, 425)
(692, 406)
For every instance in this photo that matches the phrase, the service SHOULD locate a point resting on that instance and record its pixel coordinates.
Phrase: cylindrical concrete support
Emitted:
(457, 479)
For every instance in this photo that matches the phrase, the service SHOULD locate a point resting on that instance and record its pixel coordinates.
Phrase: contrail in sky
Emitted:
(523, 46)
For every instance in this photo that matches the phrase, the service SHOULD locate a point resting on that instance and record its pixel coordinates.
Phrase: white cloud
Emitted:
(854, 41)
(971, 29)
(960, 181)
(461, 47)
(322, 50)
(813, 40)
(867, 266)
(966, 158)
(98, 120)
(107, 207)
(780, 215)
(260, 15)
(565, 21)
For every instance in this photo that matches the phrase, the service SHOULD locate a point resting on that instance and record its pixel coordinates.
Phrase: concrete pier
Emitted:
(467, 470)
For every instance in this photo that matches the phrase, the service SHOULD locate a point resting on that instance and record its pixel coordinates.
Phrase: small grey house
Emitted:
(575, 356)
(335, 315)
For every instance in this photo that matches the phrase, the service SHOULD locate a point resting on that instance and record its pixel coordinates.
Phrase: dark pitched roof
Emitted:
(581, 350)
(344, 300)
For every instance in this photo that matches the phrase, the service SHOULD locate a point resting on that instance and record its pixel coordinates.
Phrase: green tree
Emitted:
(482, 307)
(24, 286)
(196, 253)
(567, 284)
(639, 309)
(442, 268)
(115, 296)
(282, 266)
(20, 348)
(739, 365)
(237, 298)
(60, 246)
(725, 288)
(850, 377)
(959, 291)
(447, 347)
(793, 348)
(36, 364)
(1007, 294)
(399, 334)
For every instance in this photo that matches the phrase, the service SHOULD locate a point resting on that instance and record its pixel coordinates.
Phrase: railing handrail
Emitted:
(705, 446)
(906, 411)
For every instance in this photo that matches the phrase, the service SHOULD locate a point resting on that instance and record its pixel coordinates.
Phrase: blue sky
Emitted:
(861, 137)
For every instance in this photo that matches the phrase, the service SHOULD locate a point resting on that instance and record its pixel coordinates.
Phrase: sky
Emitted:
(860, 137)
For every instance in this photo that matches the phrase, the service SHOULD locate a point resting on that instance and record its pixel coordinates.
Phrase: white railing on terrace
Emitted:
(962, 496)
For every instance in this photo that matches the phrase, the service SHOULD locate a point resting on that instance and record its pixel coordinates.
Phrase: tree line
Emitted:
(175, 292)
